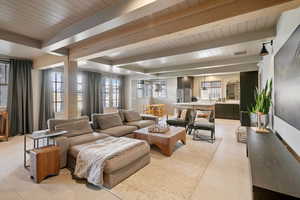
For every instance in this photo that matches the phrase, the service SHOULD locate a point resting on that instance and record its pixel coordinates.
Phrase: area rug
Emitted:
(168, 178)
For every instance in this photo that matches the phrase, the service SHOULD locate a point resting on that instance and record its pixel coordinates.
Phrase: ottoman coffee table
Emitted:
(166, 142)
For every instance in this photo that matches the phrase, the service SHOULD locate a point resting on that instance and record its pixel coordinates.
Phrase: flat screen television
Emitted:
(287, 81)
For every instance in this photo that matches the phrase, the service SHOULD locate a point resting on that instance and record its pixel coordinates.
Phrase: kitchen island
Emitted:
(224, 110)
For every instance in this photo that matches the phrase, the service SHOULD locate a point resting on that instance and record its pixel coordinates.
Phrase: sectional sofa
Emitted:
(121, 123)
(80, 134)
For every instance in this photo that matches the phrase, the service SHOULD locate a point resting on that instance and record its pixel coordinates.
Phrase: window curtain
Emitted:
(122, 92)
(19, 104)
(92, 93)
(46, 105)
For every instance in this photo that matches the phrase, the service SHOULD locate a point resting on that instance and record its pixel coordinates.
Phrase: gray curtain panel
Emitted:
(19, 104)
(122, 93)
(92, 93)
(46, 104)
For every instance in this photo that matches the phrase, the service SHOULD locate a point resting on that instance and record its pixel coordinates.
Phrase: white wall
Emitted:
(36, 93)
(223, 78)
(287, 24)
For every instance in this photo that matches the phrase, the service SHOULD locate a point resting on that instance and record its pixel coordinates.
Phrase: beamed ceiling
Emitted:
(157, 37)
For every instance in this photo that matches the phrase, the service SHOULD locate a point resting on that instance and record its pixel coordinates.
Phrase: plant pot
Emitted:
(253, 120)
(263, 121)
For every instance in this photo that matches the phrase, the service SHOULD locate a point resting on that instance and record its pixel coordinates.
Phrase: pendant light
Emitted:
(204, 87)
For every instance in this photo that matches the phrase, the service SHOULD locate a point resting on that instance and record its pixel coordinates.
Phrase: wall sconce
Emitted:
(264, 50)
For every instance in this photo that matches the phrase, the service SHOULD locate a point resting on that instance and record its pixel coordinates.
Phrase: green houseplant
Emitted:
(262, 105)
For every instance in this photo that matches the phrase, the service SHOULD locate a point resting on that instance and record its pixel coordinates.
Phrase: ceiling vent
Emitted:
(239, 53)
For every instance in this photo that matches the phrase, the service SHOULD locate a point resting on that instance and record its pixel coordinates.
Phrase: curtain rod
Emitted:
(4, 60)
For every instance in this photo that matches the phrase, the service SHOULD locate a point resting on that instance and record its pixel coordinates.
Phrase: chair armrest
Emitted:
(149, 117)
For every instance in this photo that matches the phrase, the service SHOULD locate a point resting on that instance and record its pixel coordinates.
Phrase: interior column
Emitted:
(70, 86)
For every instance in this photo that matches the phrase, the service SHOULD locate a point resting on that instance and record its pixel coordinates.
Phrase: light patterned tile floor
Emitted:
(198, 170)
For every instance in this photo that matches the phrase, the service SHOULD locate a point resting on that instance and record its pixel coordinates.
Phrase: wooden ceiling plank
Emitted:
(227, 41)
(207, 64)
(19, 39)
(174, 25)
(206, 71)
(122, 13)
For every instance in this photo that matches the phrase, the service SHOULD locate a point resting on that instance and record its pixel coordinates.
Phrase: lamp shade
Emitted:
(264, 51)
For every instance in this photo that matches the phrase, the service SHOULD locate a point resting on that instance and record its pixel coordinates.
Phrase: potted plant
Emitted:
(261, 108)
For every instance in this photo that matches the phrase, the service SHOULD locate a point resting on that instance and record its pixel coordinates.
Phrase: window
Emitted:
(159, 88)
(80, 91)
(58, 90)
(115, 92)
(151, 88)
(140, 89)
(111, 92)
(4, 67)
(211, 90)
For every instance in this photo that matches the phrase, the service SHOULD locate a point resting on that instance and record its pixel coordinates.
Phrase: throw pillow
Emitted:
(202, 116)
(132, 116)
(183, 114)
(121, 113)
(177, 113)
(75, 128)
(109, 120)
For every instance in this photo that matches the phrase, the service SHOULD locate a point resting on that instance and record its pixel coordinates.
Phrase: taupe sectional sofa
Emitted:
(80, 134)
(121, 123)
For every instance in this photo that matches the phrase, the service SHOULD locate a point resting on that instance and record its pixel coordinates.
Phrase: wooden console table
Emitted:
(275, 171)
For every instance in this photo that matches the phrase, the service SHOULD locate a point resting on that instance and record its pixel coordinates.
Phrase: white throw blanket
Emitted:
(90, 161)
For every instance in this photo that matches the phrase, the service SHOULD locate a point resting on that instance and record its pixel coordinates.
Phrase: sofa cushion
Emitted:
(106, 121)
(119, 131)
(75, 128)
(54, 122)
(131, 116)
(119, 161)
(121, 113)
(86, 138)
(141, 123)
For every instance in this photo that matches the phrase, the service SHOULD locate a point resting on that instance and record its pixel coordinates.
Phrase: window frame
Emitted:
(5, 83)
(80, 92)
(212, 87)
(54, 86)
(111, 92)
(148, 88)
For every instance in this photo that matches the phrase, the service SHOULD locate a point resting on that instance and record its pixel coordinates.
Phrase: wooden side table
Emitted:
(44, 162)
(40, 139)
(3, 125)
